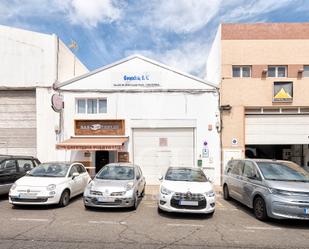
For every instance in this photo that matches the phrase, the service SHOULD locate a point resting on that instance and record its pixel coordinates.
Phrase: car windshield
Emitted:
(283, 171)
(113, 172)
(185, 174)
(50, 170)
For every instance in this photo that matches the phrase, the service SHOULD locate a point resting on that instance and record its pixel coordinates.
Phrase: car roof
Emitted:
(122, 164)
(261, 160)
(182, 168)
(17, 157)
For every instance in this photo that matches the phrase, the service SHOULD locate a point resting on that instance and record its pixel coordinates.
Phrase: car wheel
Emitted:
(259, 208)
(64, 199)
(134, 207)
(226, 194)
(143, 192)
(87, 207)
(211, 214)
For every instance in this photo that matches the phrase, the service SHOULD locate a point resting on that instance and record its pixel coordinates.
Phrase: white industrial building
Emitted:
(140, 111)
(30, 64)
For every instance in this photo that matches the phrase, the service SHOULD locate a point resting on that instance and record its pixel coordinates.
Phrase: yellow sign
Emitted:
(282, 94)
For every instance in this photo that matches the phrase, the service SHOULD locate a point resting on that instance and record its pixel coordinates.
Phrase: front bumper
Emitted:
(34, 197)
(126, 200)
(169, 204)
(287, 208)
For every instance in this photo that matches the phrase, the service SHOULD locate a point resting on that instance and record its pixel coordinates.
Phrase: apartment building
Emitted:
(263, 73)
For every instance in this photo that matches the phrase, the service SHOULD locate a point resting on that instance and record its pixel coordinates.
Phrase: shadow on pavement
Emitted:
(280, 223)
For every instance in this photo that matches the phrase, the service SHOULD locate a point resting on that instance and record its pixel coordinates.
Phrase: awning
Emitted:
(93, 143)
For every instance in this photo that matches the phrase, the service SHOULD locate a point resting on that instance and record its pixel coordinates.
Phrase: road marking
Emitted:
(263, 228)
(184, 225)
(106, 222)
(28, 219)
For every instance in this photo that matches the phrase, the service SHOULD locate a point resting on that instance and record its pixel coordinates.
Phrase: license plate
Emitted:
(306, 210)
(27, 196)
(188, 203)
(106, 199)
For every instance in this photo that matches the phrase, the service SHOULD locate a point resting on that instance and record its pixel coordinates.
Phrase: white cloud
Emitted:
(88, 13)
(92, 12)
(247, 10)
(180, 16)
(189, 57)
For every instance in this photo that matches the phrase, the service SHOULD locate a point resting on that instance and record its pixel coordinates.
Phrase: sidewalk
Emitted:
(154, 189)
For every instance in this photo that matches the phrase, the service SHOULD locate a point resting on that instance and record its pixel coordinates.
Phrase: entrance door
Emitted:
(101, 159)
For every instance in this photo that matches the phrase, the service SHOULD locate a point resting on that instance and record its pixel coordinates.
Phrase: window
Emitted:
(306, 71)
(73, 170)
(250, 170)
(24, 165)
(241, 71)
(237, 168)
(80, 168)
(277, 71)
(91, 106)
(8, 166)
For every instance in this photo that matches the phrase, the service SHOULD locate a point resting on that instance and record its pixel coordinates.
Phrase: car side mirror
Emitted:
(75, 174)
(138, 177)
(253, 177)
(161, 178)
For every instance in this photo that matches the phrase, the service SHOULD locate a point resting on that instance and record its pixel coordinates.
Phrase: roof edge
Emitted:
(68, 82)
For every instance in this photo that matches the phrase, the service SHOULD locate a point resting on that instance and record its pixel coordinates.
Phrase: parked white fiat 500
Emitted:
(186, 190)
(50, 183)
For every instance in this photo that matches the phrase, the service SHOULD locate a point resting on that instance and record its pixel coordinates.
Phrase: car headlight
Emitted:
(285, 192)
(93, 192)
(210, 193)
(13, 186)
(165, 191)
(130, 185)
(51, 187)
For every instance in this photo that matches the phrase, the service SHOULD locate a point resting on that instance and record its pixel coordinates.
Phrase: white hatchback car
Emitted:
(50, 183)
(186, 190)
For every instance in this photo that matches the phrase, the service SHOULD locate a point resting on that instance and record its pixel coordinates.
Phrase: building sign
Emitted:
(90, 147)
(123, 157)
(136, 80)
(283, 92)
(99, 127)
(57, 102)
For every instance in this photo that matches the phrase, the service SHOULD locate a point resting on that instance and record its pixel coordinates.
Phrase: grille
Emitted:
(177, 197)
(16, 199)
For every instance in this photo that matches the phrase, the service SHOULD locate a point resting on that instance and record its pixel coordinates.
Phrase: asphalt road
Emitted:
(232, 226)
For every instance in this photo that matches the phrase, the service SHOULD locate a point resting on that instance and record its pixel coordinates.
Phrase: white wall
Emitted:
(153, 109)
(213, 70)
(29, 59)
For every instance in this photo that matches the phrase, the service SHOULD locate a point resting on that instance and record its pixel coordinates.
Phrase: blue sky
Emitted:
(178, 33)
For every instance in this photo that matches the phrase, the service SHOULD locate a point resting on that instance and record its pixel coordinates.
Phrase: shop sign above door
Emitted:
(99, 127)
(136, 80)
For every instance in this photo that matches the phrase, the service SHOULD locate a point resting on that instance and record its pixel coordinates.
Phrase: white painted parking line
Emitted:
(263, 228)
(219, 204)
(30, 219)
(107, 222)
(184, 225)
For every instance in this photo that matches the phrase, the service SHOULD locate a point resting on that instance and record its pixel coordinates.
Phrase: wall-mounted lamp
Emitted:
(225, 108)
(264, 71)
(301, 70)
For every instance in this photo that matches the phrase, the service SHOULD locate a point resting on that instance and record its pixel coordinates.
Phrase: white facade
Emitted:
(156, 102)
(30, 64)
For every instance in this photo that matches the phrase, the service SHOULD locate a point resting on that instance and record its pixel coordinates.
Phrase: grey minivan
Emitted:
(276, 189)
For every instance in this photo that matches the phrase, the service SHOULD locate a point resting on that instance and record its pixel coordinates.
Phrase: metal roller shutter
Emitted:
(18, 122)
(157, 149)
(277, 129)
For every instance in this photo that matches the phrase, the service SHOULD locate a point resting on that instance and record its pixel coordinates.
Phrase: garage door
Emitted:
(17, 122)
(277, 129)
(157, 149)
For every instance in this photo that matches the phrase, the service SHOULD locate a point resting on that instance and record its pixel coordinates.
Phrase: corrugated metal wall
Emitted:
(18, 122)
